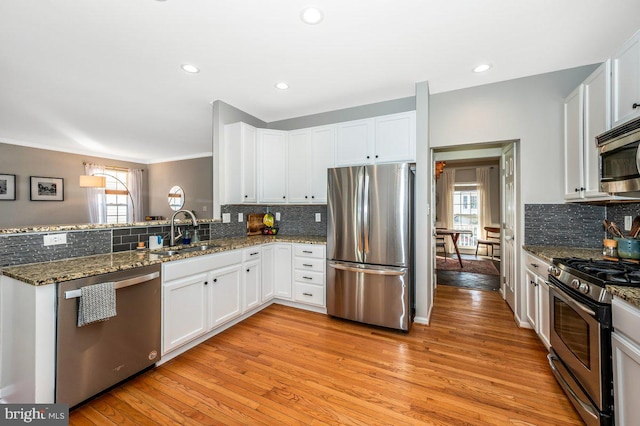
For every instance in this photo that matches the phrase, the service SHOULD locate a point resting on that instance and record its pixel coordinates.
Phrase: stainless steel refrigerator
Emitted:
(370, 272)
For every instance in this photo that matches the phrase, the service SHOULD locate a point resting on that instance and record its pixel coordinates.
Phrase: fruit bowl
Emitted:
(269, 231)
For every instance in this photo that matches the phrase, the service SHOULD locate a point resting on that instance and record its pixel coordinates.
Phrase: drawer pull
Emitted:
(307, 294)
(535, 265)
(307, 265)
(307, 278)
(254, 253)
(307, 251)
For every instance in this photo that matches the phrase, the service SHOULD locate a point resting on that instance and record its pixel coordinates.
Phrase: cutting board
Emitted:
(254, 223)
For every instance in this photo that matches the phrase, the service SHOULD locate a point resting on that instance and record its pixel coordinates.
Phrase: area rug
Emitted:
(472, 266)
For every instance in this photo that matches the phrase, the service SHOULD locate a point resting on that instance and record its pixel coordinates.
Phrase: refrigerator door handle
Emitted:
(366, 271)
(365, 212)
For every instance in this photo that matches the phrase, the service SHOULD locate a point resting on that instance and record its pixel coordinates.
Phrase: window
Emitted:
(465, 213)
(116, 195)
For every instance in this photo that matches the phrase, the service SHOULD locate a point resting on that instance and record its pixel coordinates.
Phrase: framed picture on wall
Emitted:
(7, 187)
(47, 189)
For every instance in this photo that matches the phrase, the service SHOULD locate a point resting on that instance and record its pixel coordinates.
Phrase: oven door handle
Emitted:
(569, 301)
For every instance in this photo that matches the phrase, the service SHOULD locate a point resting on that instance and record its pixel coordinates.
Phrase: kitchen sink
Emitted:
(200, 248)
(203, 247)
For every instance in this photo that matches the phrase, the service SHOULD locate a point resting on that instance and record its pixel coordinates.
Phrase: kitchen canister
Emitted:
(155, 242)
(610, 248)
(628, 248)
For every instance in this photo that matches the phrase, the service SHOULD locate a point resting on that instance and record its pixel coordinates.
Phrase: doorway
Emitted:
(468, 212)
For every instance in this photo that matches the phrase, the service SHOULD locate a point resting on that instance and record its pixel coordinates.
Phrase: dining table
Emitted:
(454, 234)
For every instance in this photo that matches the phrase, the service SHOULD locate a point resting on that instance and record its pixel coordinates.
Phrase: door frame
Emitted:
(479, 151)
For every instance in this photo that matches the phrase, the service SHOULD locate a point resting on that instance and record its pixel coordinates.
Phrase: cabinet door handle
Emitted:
(306, 196)
(636, 105)
(246, 196)
(307, 294)
(248, 269)
(368, 157)
(376, 156)
(215, 280)
(313, 196)
(206, 282)
(283, 197)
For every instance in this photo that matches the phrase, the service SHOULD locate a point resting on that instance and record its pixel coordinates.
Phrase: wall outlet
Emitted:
(226, 217)
(628, 221)
(277, 215)
(240, 217)
(55, 239)
(318, 217)
(204, 208)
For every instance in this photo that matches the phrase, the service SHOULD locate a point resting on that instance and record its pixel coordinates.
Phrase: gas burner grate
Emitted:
(619, 272)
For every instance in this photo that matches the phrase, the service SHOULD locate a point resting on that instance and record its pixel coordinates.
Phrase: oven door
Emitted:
(576, 339)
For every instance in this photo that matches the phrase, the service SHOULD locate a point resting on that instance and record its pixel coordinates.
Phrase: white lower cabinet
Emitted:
(282, 271)
(225, 295)
(309, 274)
(626, 361)
(268, 270)
(537, 291)
(198, 294)
(184, 310)
(206, 292)
(251, 278)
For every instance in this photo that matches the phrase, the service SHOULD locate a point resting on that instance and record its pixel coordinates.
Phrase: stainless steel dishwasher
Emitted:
(94, 357)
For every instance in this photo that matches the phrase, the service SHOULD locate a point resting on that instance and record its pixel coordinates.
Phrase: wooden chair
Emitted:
(441, 244)
(491, 239)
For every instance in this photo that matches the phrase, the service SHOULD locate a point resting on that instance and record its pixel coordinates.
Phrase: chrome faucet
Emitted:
(173, 220)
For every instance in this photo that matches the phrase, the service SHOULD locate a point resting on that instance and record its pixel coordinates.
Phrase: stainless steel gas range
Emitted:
(580, 326)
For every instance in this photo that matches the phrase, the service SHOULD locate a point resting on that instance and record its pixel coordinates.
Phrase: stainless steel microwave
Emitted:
(620, 158)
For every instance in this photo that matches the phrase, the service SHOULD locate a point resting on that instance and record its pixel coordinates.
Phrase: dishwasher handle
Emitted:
(118, 284)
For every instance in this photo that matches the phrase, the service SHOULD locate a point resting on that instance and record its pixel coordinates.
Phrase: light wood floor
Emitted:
(472, 366)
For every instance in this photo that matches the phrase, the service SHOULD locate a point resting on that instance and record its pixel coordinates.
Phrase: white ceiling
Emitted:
(103, 77)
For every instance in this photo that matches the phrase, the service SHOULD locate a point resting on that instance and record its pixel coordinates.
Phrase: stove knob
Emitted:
(554, 271)
(584, 288)
(575, 283)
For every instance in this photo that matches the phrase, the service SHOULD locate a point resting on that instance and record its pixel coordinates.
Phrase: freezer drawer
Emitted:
(370, 294)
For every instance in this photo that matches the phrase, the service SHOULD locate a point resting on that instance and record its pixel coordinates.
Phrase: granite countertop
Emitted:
(630, 294)
(81, 267)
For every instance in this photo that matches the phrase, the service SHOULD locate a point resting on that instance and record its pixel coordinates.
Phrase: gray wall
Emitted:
(193, 175)
(347, 114)
(527, 109)
(25, 161)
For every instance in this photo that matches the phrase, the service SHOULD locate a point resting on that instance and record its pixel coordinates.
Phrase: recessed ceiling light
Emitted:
(282, 85)
(482, 68)
(311, 16)
(189, 68)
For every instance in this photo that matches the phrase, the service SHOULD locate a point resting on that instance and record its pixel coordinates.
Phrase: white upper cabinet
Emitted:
(240, 166)
(355, 143)
(310, 155)
(626, 81)
(587, 113)
(385, 139)
(573, 142)
(272, 166)
(395, 138)
(597, 119)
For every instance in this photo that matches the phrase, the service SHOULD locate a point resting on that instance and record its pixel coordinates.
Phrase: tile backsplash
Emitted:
(18, 249)
(569, 225)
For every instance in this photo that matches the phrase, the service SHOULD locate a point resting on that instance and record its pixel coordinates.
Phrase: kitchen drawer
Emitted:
(309, 264)
(536, 265)
(308, 293)
(626, 319)
(309, 277)
(309, 250)
(251, 253)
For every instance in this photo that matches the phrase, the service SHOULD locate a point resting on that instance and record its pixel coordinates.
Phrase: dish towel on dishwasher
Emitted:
(97, 303)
